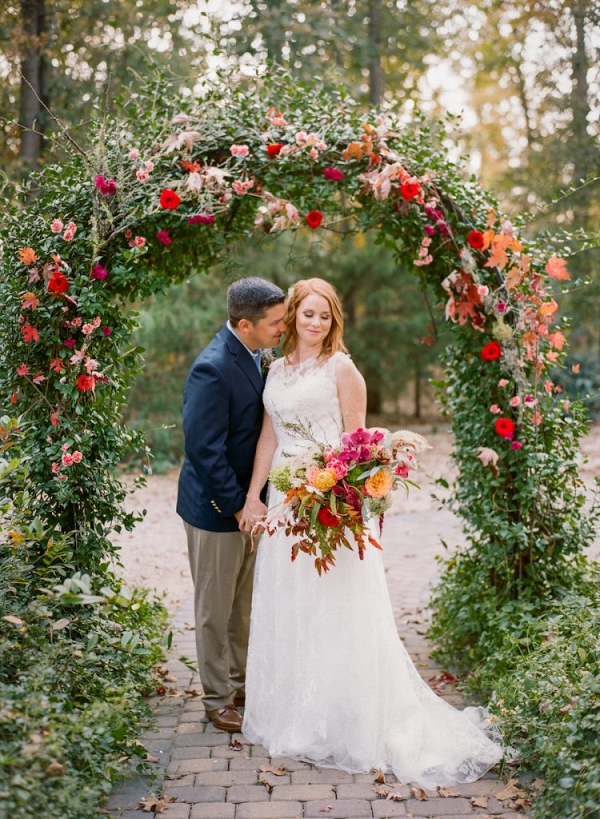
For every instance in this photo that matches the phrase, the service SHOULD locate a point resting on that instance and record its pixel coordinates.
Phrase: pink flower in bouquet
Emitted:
(338, 467)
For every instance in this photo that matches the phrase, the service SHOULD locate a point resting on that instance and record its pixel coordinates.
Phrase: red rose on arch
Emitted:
(410, 189)
(274, 148)
(58, 283)
(504, 427)
(84, 383)
(314, 219)
(475, 240)
(491, 351)
(169, 199)
(327, 518)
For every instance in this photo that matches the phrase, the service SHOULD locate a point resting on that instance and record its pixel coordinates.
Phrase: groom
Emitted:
(222, 417)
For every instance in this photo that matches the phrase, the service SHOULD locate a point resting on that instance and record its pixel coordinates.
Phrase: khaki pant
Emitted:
(222, 565)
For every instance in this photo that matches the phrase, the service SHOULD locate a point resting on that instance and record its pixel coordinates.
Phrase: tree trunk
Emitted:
(583, 149)
(373, 378)
(34, 82)
(374, 47)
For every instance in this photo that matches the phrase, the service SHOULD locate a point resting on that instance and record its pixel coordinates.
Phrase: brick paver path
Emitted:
(207, 778)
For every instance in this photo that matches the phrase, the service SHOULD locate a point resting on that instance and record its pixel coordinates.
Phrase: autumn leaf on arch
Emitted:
(29, 333)
(27, 255)
(556, 268)
(30, 301)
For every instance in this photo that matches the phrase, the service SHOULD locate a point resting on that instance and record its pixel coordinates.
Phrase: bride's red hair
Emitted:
(334, 342)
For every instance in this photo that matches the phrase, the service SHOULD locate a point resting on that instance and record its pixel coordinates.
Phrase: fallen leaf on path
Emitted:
(280, 771)
(236, 745)
(446, 793)
(379, 775)
(381, 790)
(263, 781)
(326, 809)
(439, 681)
(150, 758)
(156, 803)
(193, 692)
(396, 796)
(479, 801)
(418, 793)
(509, 791)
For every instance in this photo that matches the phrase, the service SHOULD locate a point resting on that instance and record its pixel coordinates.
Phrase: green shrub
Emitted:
(77, 656)
(550, 705)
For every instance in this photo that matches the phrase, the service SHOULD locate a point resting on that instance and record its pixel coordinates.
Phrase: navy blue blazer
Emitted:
(222, 419)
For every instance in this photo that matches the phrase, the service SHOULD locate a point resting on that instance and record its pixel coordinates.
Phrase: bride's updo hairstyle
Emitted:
(334, 343)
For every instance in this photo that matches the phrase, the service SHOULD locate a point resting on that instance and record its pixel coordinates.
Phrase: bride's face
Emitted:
(313, 320)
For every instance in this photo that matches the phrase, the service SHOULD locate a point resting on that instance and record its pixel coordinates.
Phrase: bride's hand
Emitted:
(253, 512)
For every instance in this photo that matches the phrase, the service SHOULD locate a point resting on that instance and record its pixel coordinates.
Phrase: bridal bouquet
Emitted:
(331, 494)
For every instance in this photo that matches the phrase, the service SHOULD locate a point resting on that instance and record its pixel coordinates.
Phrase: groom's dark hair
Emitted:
(250, 298)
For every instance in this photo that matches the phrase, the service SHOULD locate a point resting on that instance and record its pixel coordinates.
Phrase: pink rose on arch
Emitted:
(87, 329)
(56, 226)
(333, 174)
(107, 331)
(142, 176)
(515, 401)
(201, 219)
(77, 457)
(134, 153)
(239, 151)
(164, 238)
(67, 459)
(55, 467)
(69, 343)
(98, 272)
(107, 187)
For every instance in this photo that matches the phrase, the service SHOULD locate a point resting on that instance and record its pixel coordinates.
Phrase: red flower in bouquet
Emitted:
(491, 351)
(333, 494)
(327, 518)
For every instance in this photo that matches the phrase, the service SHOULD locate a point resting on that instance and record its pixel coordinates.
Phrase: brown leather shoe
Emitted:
(226, 718)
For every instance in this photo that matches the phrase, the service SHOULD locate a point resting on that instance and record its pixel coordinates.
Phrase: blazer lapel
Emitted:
(243, 359)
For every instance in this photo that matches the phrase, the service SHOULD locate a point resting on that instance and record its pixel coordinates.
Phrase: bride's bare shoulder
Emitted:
(344, 366)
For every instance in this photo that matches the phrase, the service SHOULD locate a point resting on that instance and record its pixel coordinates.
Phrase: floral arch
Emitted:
(165, 191)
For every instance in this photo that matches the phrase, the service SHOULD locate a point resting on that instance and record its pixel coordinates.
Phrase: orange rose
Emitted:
(324, 480)
(380, 484)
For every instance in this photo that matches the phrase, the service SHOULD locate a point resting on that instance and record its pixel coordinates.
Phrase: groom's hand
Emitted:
(250, 516)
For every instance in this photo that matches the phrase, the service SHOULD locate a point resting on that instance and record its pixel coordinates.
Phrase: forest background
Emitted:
(518, 84)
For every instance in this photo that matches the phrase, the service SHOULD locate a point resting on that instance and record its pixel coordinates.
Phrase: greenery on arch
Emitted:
(167, 190)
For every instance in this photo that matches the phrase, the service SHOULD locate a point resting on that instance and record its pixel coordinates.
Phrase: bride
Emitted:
(328, 679)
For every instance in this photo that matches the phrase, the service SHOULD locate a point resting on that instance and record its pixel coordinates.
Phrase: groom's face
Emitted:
(267, 331)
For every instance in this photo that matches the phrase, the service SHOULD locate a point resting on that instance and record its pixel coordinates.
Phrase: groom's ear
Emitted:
(244, 327)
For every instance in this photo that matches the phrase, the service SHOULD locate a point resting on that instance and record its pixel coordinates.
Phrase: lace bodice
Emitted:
(304, 398)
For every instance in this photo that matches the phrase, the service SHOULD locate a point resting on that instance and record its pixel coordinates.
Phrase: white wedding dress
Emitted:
(328, 679)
